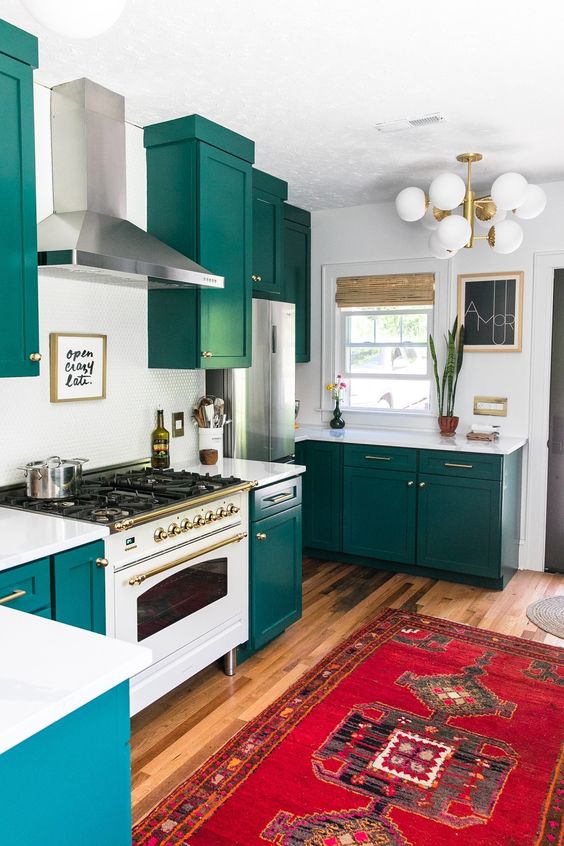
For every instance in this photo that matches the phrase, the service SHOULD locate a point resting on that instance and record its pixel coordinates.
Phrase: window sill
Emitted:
(385, 412)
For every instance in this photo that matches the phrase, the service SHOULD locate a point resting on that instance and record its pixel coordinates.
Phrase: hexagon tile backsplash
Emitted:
(116, 429)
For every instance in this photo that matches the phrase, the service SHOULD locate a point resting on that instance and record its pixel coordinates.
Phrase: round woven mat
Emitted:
(548, 615)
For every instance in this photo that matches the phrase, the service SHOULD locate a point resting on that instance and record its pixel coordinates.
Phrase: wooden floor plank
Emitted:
(175, 735)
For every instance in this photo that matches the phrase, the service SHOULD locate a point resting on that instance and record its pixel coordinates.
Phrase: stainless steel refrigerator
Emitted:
(260, 399)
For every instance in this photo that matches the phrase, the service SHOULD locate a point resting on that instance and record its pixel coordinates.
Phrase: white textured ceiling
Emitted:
(308, 79)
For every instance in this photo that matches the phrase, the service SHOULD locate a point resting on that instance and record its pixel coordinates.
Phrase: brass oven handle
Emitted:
(137, 580)
(122, 525)
(378, 457)
(463, 466)
(279, 498)
(11, 596)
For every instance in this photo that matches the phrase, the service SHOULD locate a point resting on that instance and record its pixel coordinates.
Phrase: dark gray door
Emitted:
(554, 557)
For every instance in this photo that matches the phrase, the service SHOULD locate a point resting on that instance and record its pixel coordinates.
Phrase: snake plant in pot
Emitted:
(446, 385)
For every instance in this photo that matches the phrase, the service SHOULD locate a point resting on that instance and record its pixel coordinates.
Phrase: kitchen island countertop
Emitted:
(50, 669)
(263, 472)
(27, 536)
(409, 438)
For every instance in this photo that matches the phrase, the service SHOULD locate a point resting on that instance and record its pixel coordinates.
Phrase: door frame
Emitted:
(544, 266)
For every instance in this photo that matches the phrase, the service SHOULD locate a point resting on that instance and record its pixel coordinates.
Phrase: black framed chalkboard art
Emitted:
(490, 305)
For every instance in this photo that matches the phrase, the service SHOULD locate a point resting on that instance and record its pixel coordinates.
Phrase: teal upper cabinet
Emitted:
(269, 194)
(79, 587)
(297, 274)
(199, 200)
(19, 336)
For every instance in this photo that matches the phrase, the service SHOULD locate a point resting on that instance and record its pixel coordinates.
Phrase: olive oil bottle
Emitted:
(160, 438)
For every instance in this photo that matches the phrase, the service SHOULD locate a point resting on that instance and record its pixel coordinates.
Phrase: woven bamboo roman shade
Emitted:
(413, 289)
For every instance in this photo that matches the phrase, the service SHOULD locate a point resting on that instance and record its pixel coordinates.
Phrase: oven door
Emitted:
(176, 598)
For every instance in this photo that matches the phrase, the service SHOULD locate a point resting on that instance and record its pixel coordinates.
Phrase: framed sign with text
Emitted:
(78, 367)
(490, 305)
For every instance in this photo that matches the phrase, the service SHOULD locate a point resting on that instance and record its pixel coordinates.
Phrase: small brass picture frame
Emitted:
(78, 366)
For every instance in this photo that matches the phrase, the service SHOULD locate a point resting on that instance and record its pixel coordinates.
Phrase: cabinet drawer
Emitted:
(381, 457)
(275, 498)
(28, 587)
(469, 464)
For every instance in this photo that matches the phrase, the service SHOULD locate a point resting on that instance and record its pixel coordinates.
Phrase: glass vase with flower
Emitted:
(337, 389)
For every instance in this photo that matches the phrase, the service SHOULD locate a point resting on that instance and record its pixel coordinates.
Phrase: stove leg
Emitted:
(230, 662)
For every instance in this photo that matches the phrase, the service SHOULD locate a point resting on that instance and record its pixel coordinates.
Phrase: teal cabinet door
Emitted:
(379, 514)
(27, 587)
(199, 200)
(275, 575)
(297, 275)
(79, 773)
(459, 525)
(321, 494)
(269, 194)
(79, 587)
(19, 337)
(225, 222)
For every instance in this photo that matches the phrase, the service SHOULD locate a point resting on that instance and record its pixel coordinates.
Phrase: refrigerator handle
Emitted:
(274, 339)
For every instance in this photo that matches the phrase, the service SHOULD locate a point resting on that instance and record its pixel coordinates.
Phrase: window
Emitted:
(384, 326)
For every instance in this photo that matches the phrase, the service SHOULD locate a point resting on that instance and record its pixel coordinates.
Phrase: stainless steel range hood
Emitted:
(87, 231)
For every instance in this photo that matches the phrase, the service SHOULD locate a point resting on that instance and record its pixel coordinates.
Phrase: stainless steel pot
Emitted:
(54, 478)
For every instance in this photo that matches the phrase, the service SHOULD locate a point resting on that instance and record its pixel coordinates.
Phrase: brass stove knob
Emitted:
(160, 534)
(186, 525)
(210, 517)
(199, 521)
(232, 509)
(174, 529)
(221, 513)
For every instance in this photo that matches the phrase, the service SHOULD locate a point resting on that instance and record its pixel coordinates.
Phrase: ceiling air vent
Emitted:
(404, 123)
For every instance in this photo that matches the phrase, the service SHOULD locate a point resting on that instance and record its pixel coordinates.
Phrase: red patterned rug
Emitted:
(413, 731)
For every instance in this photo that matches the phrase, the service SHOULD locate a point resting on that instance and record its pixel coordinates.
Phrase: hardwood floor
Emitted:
(172, 737)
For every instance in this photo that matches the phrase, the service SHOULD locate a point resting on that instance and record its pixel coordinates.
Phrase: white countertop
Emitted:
(264, 472)
(410, 439)
(49, 669)
(26, 536)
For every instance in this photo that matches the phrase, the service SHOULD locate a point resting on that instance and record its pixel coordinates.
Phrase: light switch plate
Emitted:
(491, 406)
(178, 424)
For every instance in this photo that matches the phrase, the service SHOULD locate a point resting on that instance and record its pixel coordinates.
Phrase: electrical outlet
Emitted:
(178, 424)
(491, 406)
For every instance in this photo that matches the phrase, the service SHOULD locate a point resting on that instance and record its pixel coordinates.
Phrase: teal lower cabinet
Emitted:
(69, 587)
(379, 508)
(449, 515)
(79, 587)
(275, 563)
(71, 782)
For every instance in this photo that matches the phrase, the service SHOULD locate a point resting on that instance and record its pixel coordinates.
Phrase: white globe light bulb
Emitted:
(447, 191)
(437, 250)
(76, 20)
(509, 190)
(411, 204)
(500, 215)
(454, 232)
(533, 204)
(507, 237)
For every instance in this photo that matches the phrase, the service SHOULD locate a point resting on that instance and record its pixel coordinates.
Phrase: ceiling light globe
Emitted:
(437, 250)
(447, 191)
(454, 232)
(507, 237)
(509, 190)
(76, 20)
(411, 204)
(500, 215)
(533, 204)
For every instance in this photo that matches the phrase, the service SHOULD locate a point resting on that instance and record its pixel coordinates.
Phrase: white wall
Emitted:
(116, 429)
(375, 233)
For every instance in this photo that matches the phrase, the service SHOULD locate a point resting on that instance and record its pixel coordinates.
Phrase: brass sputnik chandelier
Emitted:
(510, 193)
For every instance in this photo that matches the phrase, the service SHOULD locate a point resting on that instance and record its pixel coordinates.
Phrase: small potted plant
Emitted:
(446, 386)
(336, 388)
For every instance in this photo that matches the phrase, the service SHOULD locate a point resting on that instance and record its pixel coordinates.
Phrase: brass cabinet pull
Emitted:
(378, 457)
(102, 562)
(411, 483)
(207, 354)
(35, 357)
(279, 498)
(261, 536)
(463, 466)
(256, 278)
(17, 594)
(422, 484)
(137, 580)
